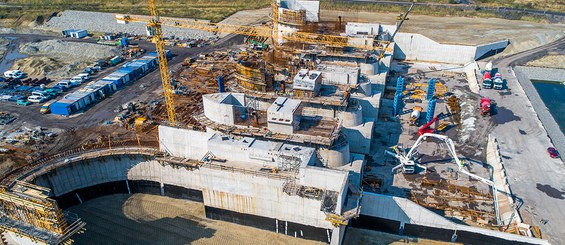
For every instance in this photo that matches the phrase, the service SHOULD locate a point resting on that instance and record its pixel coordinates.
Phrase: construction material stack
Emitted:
(398, 104)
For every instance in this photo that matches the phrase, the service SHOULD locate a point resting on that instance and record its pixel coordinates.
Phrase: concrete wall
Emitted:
(166, 174)
(183, 143)
(235, 191)
(339, 75)
(76, 176)
(360, 137)
(259, 196)
(312, 8)
(322, 178)
(408, 212)
(412, 46)
(483, 50)
(281, 128)
(354, 28)
(222, 112)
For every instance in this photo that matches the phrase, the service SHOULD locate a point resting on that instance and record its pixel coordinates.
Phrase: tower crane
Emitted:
(258, 31)
(154, 27)
(401, 17)
(155, 22)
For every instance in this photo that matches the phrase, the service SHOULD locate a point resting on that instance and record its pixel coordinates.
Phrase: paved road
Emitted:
(104, 110)
(533, 176)
(460, 6)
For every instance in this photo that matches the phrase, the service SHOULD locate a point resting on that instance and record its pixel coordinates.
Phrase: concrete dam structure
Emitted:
(234, 178)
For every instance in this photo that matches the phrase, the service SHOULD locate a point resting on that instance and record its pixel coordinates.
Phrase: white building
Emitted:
(224, 108)
(283, 116)
(308, 81)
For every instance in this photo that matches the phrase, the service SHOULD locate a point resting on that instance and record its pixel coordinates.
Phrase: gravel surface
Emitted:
(105, 22)
(68, 50)
(524, 74)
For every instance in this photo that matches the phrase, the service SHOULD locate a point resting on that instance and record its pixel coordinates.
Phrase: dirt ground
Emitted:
(58, 59)
(461, 30)
(150, 219)
(550, 61)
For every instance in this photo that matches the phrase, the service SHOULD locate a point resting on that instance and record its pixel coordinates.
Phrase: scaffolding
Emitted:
(27, 210)
(254, 76)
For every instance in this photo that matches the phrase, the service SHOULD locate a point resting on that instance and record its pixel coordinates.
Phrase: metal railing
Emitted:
(269, 175)
(103, 149)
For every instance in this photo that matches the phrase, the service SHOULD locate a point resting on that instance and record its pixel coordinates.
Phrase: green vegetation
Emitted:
(425, 10)
(551, 5)
(214, 10)
(21, 11)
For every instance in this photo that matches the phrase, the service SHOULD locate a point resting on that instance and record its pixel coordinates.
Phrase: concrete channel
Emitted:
(525, 75)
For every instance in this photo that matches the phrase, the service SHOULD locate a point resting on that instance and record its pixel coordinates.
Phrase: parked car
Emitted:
(15, 98)
(97, 68)
(16, 74)
(65, 84)
(553, 153)
(45, 108)
(23, 102)
(77, 79)
(41, 94)
(54, 91)
(85, 76)
(90, 70)
(35, 99)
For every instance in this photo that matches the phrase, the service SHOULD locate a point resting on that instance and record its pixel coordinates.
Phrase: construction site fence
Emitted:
(148, 147)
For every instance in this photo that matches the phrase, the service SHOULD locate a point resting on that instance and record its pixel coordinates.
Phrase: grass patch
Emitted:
(214, 10)
(21, 11)
(428, 10)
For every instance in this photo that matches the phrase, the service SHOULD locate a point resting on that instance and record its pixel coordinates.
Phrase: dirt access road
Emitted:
(104, 110)
(533, 176)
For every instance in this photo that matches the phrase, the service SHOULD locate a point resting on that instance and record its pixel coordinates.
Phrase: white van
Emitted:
(41, 94)
(35, 99)
(85, 76)
(67, 84)
(77, 80)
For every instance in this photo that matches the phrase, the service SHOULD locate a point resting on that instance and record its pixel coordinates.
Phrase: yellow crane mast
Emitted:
(154, 26)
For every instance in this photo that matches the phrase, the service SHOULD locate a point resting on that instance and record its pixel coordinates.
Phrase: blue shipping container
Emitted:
(60, 108)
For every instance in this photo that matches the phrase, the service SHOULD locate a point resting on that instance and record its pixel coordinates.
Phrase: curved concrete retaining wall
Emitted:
(254, 199)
